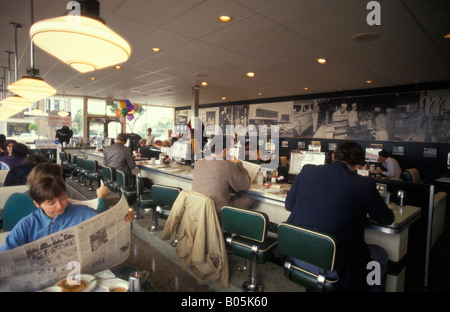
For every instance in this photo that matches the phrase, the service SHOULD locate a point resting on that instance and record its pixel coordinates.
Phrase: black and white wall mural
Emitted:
(408, 117)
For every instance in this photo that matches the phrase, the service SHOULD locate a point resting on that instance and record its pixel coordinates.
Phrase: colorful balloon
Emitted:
(117, 112)
(130, 117)
(122, 104)
(122, 119)
(124, 112)
(136, 107)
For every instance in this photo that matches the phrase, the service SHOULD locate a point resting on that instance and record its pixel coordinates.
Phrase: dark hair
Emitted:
(383, 153)
(47, 188)
(35, 159)
(20, 150)
(2, 140)
(122, 137)
(351, 153)
(6, 143)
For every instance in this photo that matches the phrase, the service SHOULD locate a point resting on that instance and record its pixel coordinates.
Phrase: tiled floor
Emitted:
(159, 258)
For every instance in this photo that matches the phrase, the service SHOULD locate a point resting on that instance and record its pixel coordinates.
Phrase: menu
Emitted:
(94, 245)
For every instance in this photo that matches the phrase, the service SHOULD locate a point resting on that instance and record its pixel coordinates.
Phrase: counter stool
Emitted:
(314, 247)
(249, 240)
(109, 178)
(143, 195)
(128, 191)
(80, 170)
(92, 173)
(163, 197)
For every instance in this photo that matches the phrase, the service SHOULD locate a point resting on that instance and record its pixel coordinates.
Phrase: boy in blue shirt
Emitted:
(55, 213)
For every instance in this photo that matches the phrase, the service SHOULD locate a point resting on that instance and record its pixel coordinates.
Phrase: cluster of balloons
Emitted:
(126, 111)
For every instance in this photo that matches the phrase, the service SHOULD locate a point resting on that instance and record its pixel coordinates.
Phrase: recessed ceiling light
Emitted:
(156, 49)
(368, 81)
(204, 83)
(306, 88)
(118, 67)
(92, 78)
(251, 74)
(224, 18)
(224, 98)
(447, 36)
(321, 60)
(365, 37)
(260, 93)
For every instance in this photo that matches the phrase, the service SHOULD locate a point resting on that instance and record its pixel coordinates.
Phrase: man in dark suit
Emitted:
(120, 157)
(334, 199)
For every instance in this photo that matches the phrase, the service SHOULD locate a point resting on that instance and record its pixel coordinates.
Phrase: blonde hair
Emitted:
(43, 170)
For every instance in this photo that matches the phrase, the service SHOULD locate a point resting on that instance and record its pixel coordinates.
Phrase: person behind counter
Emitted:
(216, 177)
(55, 213)
(334, 199)
(120, 157)
(150, 138)
(391, 165)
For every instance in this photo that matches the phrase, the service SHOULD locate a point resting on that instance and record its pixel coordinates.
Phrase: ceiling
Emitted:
(278, 40)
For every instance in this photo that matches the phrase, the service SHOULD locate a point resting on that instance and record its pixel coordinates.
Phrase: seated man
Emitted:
(391, 165)
(55, 213)
(334, 199)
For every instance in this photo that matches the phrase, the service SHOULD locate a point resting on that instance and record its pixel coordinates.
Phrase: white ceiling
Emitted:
(279, 40)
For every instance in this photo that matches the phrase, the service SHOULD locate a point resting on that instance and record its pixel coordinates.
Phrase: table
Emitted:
(393, 238)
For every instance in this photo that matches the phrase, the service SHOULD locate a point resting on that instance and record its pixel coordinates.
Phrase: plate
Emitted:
(89, 279)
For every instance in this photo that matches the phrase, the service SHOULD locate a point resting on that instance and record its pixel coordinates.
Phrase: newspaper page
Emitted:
(94, 245)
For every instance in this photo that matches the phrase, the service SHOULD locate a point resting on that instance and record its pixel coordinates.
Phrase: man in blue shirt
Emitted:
(55, 213)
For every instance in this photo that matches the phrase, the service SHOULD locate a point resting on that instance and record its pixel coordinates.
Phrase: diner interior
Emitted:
(280, 69)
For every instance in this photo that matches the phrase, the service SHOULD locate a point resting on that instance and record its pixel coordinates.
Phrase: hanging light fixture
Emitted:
(81, 38)
(31, 87)
(14, 104)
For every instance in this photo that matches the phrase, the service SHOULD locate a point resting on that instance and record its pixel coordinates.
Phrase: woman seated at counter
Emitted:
(19, 205)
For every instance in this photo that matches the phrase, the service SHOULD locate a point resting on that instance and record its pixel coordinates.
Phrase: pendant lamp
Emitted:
(81, 39)
(14, 103)
(31, 87)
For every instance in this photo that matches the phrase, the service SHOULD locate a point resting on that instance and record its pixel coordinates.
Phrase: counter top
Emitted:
(276, 195)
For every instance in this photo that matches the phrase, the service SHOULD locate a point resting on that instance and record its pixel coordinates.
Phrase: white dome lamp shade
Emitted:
(81, 40)
(30, 87)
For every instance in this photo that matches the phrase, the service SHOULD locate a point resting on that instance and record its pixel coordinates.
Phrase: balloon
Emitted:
(136, 107)
(130, 117)
(117, 112)
(124, 112)
(127, 102)
(122, 119)
(129, 108)
(122, 104)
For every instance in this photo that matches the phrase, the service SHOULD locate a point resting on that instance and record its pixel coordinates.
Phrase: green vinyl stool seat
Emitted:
(161, 202)
(109, 179)
(314, 247)
(92, 173)
(130, 192)
(248, 239)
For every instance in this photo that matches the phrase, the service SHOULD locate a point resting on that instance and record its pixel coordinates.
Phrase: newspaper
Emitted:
(94, 245)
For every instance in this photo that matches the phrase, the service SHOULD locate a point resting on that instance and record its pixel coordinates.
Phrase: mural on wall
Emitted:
(408, 117)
